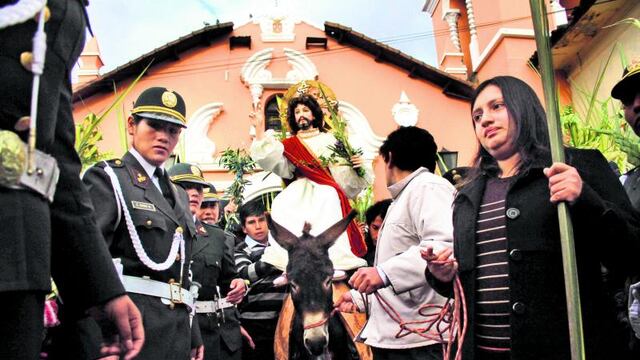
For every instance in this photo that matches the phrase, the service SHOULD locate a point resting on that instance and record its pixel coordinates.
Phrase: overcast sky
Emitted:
(126, 29)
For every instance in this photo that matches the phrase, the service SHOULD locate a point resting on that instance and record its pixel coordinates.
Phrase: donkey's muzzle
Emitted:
(316, 346)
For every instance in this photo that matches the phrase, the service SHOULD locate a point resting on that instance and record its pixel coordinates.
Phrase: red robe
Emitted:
(307, 165)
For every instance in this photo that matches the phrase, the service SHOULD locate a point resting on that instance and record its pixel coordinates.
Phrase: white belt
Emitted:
(172, 292)
(206, 307)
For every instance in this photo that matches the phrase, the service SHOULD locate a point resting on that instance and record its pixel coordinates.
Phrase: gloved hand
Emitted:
(634, 308)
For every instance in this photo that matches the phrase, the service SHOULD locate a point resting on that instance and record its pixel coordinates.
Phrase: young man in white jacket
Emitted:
(420, 214)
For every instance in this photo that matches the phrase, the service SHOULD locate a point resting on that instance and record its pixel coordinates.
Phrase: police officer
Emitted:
(627, 90)
(210, 209)
(148, 227)
(48, 229)
(212, 268)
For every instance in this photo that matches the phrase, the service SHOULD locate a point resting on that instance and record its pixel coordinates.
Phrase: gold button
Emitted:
(178, 257)
(47, 15)
(26, 58)
(149, 222)
(118, 162)
(179, 230)
(172, 280)
(23, 123)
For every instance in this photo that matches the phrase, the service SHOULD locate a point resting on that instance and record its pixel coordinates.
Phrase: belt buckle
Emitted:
(175, 290)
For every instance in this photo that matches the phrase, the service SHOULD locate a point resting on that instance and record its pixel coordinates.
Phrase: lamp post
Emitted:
(447, 160)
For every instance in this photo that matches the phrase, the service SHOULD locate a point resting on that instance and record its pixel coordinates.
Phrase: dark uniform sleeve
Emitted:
(81, 265)
(101, 191)
(229, 271)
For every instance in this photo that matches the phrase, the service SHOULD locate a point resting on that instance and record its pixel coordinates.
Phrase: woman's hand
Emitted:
(441, 265)
(565, 184)
(256, 118)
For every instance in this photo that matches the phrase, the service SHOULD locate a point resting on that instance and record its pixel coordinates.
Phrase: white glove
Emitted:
(634, 308)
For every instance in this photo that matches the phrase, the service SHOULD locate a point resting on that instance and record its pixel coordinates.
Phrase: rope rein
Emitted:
(440, 319)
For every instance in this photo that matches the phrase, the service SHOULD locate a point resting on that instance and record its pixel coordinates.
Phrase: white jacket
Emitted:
(421, 212)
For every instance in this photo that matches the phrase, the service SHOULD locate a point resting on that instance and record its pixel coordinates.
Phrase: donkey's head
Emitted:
(310, 272)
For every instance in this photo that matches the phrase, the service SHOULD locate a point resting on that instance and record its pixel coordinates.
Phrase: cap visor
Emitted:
(162, 117)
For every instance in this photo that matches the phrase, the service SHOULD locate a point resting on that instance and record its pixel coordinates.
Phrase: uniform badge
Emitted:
(169, 99)
(202, 230)
(143, 206)
(141, 178)
(195, 171)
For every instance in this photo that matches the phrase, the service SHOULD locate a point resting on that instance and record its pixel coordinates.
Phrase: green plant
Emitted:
(600, 125)
(238, 162)
(362, 202)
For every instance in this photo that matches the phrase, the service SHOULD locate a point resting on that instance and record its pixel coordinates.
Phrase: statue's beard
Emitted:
(304, 123)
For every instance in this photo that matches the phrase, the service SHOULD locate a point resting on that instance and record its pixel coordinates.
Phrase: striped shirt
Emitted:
(492, 327)
(263, 301)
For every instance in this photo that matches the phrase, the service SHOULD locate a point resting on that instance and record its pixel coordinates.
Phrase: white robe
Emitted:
(307, 201)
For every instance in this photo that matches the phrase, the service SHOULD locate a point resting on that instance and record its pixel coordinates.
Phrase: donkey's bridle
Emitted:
(320, 322)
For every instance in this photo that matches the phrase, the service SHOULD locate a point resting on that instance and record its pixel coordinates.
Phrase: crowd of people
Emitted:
(145, 271)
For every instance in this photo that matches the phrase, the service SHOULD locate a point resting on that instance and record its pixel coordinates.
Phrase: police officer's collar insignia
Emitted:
(202, 230)
(169, 99)
(141, 178)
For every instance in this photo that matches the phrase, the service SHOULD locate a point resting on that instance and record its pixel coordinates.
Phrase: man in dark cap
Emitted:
(48, 230)
(210, 209)
(627, 90)
(213, 269)
(148, 227)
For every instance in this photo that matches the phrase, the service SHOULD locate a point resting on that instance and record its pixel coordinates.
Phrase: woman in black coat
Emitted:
(506, 237)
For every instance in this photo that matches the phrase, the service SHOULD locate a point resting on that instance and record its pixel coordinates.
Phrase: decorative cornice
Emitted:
(198, 147)
(501, 34)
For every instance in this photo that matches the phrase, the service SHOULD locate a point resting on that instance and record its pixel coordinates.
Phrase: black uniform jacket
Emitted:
(37, 238)
(155, 222)
(606, 230)
(212, 266)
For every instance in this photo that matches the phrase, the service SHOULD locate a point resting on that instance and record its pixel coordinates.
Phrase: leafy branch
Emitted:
(342, 149)
(238, 162)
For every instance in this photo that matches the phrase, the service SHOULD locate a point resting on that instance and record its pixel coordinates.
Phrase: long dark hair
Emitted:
(312, 104)
(527, 113)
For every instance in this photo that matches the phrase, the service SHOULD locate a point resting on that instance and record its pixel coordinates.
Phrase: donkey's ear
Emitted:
(281, 235)
(329, 236)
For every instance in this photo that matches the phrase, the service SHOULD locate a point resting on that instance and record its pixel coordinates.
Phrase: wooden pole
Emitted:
(572, 291)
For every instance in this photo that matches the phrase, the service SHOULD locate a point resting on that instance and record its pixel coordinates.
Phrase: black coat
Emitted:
(606, 231)
(37, 238)
(212, 266)
(167, 333)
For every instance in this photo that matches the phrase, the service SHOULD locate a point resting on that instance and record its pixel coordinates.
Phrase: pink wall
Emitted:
(212, 74)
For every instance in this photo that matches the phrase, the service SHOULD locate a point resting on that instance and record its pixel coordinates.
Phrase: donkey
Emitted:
(310, 273)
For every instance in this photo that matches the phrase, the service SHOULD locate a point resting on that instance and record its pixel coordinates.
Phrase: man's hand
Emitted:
(236, 291)
(565, 184)
(126, 318)
(357, 161)
(257, 120)
(366, 280)
(197, 353)
(345, 303)
(246, 336)
(440, 265)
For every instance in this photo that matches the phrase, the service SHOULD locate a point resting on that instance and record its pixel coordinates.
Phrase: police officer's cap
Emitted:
(210, 195)
(186, 173)
(629, 85)
(158, 103)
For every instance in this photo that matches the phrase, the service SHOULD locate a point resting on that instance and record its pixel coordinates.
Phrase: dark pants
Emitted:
(21, 332)
(263, 334)
(488, 355)
(431, 352)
